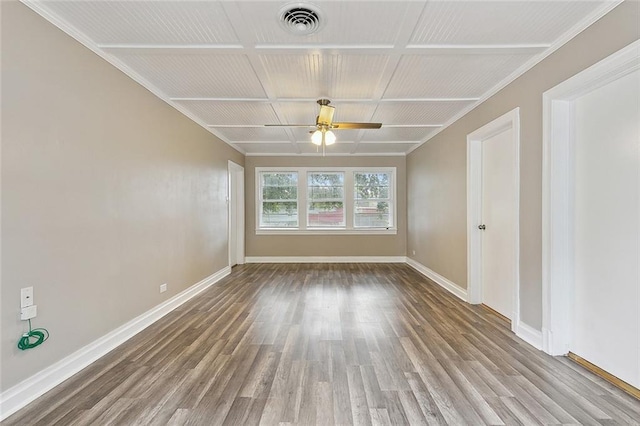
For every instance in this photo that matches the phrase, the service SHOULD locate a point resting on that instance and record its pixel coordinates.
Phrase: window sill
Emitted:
(365, 231)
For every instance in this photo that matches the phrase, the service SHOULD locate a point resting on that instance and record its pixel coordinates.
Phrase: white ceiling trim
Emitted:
(389, 142)
(265, 142)
(400, 126)
(471, 49)
(194, 99)
(432, 49)
(327, 154)
(170, 47)
(243, 126)
(388, 100)
(333, 101)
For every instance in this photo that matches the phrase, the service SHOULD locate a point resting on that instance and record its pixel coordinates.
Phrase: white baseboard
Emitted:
(28, 390)
(325, 259)
(529, 334)
(448, 285)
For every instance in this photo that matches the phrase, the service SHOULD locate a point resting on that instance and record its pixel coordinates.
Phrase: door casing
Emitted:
(510, 120)
(557, 192)
(235, 201)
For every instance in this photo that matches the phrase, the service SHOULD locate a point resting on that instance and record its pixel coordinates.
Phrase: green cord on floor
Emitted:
(39, 334)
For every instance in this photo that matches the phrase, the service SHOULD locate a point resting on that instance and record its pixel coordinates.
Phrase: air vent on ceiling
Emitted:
(300, 19)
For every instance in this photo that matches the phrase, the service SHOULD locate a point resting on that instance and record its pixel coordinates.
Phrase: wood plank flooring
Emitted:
(329, 344)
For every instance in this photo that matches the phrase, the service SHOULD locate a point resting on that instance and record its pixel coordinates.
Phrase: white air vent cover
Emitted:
(300, 18)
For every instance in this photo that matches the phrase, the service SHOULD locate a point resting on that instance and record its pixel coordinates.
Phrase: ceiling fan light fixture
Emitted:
(316, 138)
(300, 18)
(329, 138)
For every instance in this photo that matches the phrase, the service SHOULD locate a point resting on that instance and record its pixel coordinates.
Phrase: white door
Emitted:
(236, 214)
(606, 314)
(499, 218)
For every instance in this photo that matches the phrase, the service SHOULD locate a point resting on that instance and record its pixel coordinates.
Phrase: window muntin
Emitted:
(372, 200)
(325, 200)
(278, 199)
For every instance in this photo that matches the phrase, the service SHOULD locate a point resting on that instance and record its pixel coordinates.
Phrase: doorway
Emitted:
(236, 214)
(591, 211)
(493, 215)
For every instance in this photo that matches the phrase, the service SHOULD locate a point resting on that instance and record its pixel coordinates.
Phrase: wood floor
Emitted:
(329, 344)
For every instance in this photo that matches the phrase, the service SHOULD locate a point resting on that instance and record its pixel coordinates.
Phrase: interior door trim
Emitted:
(510, 120)
(557, 191)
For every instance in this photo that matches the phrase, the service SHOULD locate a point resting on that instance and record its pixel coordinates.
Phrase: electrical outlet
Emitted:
(26, 297)
(28, 312)
(414, 252)
(163, 288)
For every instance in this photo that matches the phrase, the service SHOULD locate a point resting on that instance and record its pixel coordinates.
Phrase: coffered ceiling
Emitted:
(415, 66)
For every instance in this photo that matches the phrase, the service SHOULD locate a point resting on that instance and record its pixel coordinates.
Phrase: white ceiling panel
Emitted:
(410, 63)
(497, 22)
(298, 112)
(345, 22)
(450, 76)
(219, 113)
(394, 134)
(414, 113)
(186, 74)
(253, 134)
(383, 148)
(318, 75)
(146, 22)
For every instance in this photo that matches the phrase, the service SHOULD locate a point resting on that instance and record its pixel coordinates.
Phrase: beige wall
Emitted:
(436, 172)
(325, 245)
(107, 192)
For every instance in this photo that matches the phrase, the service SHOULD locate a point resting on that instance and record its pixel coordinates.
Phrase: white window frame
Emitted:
(349, 202)
(343, 199)
(391, 199)
(259, 200)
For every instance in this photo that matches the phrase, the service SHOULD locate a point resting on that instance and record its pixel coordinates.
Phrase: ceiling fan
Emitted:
(323, 134)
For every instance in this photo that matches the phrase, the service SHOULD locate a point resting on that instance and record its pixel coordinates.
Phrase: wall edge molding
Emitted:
(443, 282)
(21, 394)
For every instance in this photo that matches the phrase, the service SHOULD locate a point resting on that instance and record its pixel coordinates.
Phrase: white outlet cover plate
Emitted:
(28, 312)
(26, 297)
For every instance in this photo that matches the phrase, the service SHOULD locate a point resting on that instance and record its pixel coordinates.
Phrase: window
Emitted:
(325, 193)
(372, 199)
(332, 200)
(278, 200)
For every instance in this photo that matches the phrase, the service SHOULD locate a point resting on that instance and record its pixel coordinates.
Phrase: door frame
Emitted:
(510, 120)
(235, 203)
(558, 154)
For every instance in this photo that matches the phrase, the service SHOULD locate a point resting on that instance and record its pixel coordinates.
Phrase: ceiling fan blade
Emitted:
(326, 115)
(344, 126)
(289, 125)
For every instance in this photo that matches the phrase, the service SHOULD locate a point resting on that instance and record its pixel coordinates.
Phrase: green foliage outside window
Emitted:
(325, 186)
(276, 187)
(373, 186)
